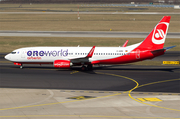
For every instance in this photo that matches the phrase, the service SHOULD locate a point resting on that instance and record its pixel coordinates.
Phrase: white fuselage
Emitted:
(50, 54)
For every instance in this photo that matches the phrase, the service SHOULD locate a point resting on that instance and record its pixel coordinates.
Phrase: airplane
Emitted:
(87, 57)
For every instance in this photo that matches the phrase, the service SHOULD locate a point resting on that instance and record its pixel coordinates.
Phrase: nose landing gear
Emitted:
(21, 67)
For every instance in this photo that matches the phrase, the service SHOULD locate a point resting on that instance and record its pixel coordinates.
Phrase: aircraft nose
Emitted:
(7, 57)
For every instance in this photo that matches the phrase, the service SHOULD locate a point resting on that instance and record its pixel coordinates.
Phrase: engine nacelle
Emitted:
(15, 63)
(62, 64)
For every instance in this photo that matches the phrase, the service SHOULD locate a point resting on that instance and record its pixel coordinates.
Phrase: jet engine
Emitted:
(66, 64)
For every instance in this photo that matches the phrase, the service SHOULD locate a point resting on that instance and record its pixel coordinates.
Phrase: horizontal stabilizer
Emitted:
(167, 48)
(162, 50)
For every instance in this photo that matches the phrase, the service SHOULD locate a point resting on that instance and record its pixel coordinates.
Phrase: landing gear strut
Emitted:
(89, 67)
(83, 68)
(21, 67)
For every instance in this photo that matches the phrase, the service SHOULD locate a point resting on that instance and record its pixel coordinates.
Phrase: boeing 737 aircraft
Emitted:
(66, 57)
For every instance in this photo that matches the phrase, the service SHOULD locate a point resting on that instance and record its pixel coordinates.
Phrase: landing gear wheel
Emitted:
(21, 67)
(83, 68)
(89, 67)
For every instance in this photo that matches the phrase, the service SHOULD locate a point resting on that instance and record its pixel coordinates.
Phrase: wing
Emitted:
(84, 59)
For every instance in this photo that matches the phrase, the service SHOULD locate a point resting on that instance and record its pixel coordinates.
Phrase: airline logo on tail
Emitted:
(159, 34)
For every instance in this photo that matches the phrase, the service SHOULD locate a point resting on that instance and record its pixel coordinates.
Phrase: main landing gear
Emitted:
(83, 68)
(89, 67)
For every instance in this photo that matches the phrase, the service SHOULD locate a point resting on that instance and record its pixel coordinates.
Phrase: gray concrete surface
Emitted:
(45, 103)
(109, 34)
(165, 13)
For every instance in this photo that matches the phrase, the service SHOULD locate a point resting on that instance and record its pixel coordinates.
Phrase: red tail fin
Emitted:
(155, 40)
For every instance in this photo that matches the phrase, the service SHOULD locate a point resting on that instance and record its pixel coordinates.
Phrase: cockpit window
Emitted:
(13, 52)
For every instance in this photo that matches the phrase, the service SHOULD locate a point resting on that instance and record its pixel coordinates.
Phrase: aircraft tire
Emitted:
(83, 68)
(89, 67)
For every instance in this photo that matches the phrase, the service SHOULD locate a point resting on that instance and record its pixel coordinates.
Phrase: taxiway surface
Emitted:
(44, 12)
(109, 34)
(46, 77)
(122, 91)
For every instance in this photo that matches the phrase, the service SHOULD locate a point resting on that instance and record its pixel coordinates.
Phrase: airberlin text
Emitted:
(53, 53)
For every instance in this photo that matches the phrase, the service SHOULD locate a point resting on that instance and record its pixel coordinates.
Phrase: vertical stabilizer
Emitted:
(155, 40)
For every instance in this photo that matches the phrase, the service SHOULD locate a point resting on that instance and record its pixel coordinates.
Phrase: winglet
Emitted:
(90, 54)
(124, 45)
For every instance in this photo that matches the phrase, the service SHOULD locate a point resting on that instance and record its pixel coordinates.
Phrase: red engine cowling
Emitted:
(62, 64)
